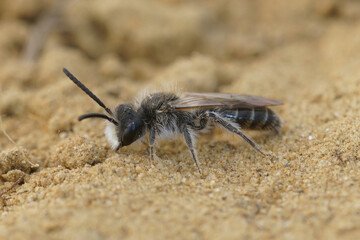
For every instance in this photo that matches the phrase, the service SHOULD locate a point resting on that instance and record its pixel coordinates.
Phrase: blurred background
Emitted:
(305, 53)
(137, 39)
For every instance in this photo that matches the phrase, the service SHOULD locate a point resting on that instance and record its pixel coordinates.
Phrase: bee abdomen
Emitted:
(254, 119)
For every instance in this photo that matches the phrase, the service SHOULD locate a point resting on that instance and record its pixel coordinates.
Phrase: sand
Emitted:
(304, 53)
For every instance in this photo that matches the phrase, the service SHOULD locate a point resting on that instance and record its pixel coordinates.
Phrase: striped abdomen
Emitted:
(260, 118)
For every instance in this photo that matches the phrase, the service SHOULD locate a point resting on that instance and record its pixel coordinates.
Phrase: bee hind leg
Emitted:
(190, 142)
(232, 128)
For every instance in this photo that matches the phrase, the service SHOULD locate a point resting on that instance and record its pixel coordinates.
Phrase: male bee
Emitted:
(163, 112)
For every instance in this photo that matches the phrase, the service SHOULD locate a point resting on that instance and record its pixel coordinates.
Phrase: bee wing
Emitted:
(223, 100)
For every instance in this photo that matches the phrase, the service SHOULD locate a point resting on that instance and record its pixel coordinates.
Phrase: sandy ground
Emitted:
(305, 53)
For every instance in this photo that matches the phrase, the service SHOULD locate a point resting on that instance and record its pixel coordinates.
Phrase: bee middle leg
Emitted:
(151, 143)
(230, 127)
(190, 142)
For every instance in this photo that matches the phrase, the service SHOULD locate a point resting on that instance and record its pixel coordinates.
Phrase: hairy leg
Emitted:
(190, 142)
(230, 126)
(151, 142)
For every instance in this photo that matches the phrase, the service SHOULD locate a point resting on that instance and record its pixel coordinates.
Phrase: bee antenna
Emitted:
(98, 115)
(86, 90)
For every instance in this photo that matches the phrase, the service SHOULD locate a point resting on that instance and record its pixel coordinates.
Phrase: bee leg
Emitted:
(190, 142)
(230, 126)
(151, 142)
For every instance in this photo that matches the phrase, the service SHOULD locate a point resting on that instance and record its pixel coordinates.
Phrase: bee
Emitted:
(164, 113)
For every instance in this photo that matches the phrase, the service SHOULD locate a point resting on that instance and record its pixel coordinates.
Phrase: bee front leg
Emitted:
(151, 142)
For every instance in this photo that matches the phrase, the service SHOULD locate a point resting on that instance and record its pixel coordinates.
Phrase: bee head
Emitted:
(130, 127)
(124, 125)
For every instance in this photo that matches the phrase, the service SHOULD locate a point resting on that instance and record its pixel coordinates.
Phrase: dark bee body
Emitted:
(150, 111)
(260, 118)
(153, 112)
(167, 113)
(157, 114)
(153, 109)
